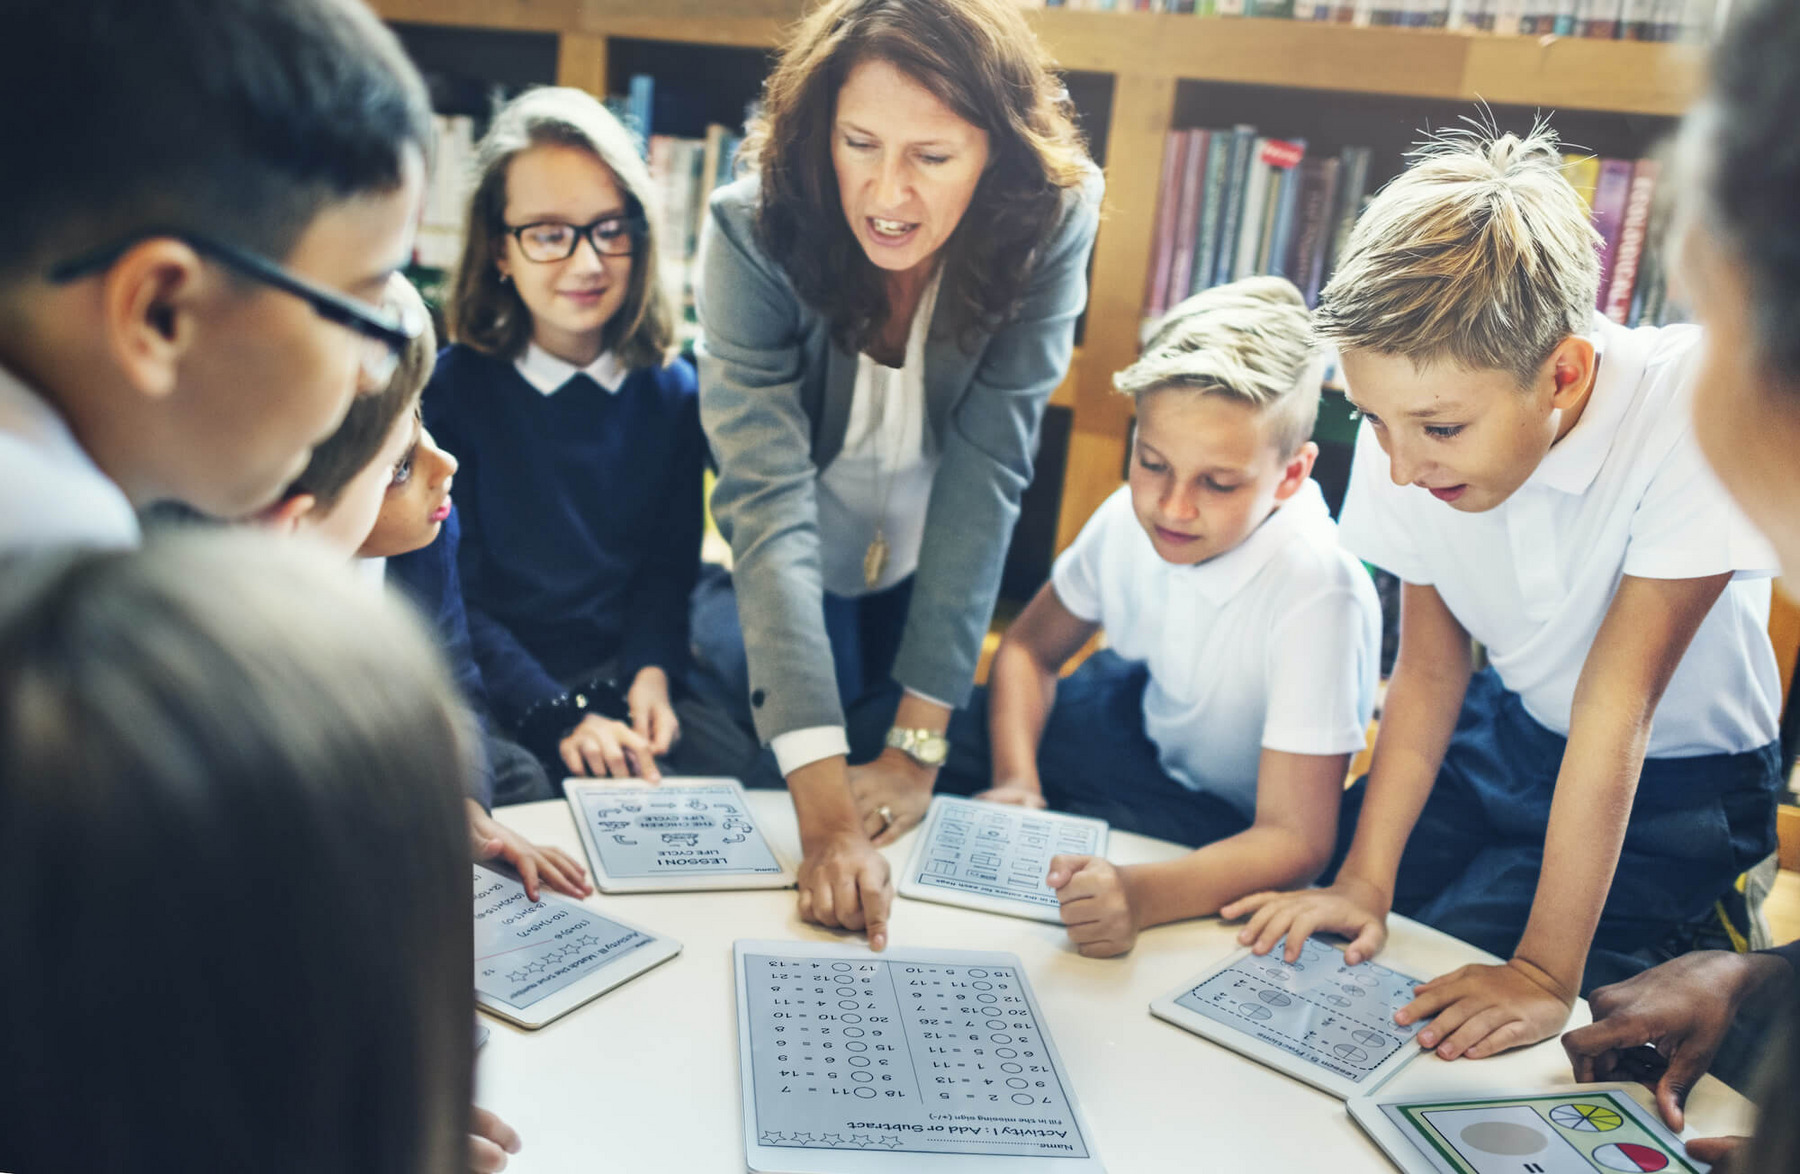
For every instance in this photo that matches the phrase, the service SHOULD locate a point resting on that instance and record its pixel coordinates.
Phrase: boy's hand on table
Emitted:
(845, 882)
(490, 1141)
(1481, 1010)
(600, 747)
(1349, 908)
(1015, 792)
(1097, 905)
(894, 782)
(652, 716)
(1682, 1009)
(490, 839)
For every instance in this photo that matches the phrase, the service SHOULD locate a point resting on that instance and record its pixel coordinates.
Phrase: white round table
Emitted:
(645, 1078)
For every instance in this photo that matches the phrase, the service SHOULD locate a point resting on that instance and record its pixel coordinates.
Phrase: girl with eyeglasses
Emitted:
(577, 429)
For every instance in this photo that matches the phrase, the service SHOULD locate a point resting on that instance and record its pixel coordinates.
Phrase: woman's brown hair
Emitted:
(980, 59)
(485, 312)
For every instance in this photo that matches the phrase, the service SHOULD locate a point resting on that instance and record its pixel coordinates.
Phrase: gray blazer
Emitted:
(775, 396)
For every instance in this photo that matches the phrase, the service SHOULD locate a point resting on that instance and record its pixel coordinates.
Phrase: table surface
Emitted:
(646, 1076)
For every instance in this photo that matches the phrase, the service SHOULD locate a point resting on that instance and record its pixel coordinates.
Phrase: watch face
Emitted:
(931, 749)
(923, 746)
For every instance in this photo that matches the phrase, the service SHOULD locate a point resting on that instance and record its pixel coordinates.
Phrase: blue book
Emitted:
(1231, 217)
(1282, 237)
(637, 108)
(1212, 200)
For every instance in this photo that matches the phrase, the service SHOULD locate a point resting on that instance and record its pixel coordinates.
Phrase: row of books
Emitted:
(1634, 278)
(1233, 204)
(1634, 20)
(440, 237)
(685, 172)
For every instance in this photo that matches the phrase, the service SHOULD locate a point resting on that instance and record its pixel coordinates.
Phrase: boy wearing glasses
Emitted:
(198, 238)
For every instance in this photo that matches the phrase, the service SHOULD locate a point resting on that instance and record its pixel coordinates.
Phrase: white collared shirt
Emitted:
(880, 479)
(50, 489)
(1275, 644)
(1625, 492)
(550, 374)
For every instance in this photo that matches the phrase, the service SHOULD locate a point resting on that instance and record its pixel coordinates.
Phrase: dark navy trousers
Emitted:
(1095, 758)
(1471, 865)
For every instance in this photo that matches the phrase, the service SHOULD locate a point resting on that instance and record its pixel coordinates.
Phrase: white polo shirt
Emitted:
(1275, 644)
(50, 490)
(1626, 492)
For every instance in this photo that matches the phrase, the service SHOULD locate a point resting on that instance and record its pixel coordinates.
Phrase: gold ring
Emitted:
(887, 816)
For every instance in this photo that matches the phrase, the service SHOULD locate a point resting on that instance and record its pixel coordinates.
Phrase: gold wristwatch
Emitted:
(922, 746)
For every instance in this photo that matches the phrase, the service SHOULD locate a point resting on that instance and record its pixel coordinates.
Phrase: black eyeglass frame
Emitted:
(636, 224)
(328, 304)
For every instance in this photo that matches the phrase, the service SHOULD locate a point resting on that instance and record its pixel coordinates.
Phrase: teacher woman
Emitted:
(886, 300)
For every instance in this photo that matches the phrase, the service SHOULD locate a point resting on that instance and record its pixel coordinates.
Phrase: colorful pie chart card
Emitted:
(1597, 1130)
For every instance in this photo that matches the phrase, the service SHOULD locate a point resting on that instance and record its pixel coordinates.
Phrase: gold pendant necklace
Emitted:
(875, 559)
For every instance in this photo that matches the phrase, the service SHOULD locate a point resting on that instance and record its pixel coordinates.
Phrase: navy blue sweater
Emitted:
(581, 516)
(428, 577)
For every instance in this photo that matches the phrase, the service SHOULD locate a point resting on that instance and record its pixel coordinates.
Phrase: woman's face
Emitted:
(906, 165)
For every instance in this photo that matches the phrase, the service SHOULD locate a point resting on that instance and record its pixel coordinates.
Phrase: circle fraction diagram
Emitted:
(1629, 1156)
(1585, 1118)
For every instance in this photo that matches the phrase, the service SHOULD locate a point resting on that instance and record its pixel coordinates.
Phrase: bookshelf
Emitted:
(1137, 76)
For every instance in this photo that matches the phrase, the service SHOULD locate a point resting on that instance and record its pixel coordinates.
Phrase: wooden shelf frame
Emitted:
(1149, 57)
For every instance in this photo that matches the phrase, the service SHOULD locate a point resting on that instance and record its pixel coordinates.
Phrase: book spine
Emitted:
(1600, 19)
(1353, 184)
(1212, 200)
(1636, 224)
(1294, 263)
(1637, 20)
(1509, 17)
(1271, 220)
(1187, 217)
(641, 99)
(1250, 223)
(1314, 254)
(1243, 139)
(1697, 20)
(1231, 7)
(1174, 143)
(1610, 197)
(1583, 174)
(1281, 239)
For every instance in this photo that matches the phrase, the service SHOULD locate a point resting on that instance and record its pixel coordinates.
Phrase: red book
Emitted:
(1610, 196)
(1623, 280)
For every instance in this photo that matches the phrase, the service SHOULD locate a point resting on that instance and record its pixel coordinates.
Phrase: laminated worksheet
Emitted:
(680, 835)
(916, 1061)
(1318, 1019)
(995, 856)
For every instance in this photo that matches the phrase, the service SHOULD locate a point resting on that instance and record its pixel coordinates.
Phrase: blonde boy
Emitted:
(1243, 642)
(1527, 469)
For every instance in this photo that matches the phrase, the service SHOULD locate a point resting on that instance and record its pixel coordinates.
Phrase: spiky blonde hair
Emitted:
(1250, 340)
(1481, 253)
